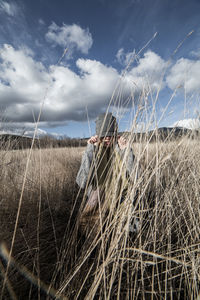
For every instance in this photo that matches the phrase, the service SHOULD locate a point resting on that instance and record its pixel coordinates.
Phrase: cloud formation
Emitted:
(41, 22)
(125, 58)
(22, 131)
(24, 82)
(26, 129)
(8, 8)
(195, 53)
(21, 80)
(185, 74)
(71, 36)
(148, 75)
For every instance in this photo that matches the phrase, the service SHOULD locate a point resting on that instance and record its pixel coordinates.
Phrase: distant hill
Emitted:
(161, 134)
(15, 142)
(164, 134)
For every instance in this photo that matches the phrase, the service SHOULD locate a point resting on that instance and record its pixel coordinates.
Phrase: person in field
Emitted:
(106, 166)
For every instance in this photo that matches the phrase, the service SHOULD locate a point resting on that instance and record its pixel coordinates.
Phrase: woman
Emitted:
(106, 166)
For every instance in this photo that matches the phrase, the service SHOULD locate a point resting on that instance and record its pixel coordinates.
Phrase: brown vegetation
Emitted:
(161, 261)
(8, 141)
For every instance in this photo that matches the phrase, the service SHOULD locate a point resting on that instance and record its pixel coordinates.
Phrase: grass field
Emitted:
(53, 257)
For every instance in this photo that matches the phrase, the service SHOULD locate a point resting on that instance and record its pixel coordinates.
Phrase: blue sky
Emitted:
(102, 37)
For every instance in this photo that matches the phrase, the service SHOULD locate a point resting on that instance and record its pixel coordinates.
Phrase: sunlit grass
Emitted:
(104, 262)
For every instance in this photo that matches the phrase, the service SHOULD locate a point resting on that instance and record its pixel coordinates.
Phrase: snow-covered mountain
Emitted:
(29, 133)
(193, 124)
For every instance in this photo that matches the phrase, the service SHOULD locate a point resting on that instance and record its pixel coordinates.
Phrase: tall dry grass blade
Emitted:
(8, 284)
(4, 253)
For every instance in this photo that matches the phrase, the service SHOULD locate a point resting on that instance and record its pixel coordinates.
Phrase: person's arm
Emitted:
(121, 147)
(130, 161)
(82, 176)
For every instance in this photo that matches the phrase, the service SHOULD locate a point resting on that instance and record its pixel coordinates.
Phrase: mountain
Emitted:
(165, 134)
(16, 142)
(193, 124)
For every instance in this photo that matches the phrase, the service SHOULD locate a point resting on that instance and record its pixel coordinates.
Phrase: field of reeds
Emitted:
(45, 253)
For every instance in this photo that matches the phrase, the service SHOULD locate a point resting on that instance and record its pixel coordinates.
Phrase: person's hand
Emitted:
(122, 142)
(94, 140)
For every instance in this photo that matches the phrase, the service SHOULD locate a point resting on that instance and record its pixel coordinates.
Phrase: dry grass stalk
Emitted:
(160, 261)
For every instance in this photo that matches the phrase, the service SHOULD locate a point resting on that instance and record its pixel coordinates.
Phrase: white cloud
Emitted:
(27, 129)
(148, 74)
(27, 133)
(23, 75)
(120, 55)
(195, 53)
(97, 78)
(24, 82)
(41, 22)
(188, 123)
(125, 59)
(185, 73)
(38, 133)
(8, 8)
(70, 36)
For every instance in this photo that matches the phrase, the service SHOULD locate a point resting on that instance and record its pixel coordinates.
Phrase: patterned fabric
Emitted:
(103, 167)
(83, 173)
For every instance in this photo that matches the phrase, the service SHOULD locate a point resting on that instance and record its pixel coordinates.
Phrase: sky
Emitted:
(64, 62)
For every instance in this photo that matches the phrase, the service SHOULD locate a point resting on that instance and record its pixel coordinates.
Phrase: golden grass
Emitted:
(161, 261)
(50, 170)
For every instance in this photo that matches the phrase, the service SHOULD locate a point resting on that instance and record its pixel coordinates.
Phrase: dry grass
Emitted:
(161, 261)
(47, 203)
(49, 173)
